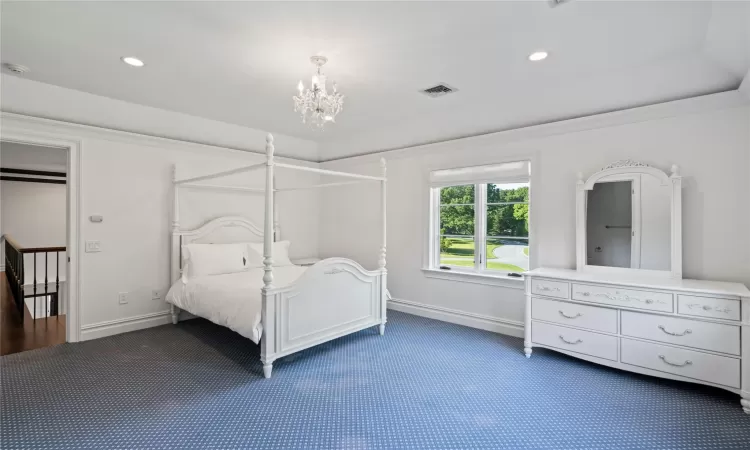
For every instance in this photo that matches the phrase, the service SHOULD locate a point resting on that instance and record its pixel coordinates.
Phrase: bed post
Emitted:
(381, 259)
(276, 229)
(269, 304)
(175, 257)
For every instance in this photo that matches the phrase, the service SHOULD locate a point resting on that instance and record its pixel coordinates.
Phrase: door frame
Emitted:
(12, 133)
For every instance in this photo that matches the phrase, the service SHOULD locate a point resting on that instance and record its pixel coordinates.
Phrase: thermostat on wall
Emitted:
(96, 218)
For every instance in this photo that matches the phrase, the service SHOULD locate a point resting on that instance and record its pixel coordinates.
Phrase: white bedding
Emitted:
(232, 300)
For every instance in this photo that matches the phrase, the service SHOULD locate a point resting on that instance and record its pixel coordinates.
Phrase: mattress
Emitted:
(232, 300)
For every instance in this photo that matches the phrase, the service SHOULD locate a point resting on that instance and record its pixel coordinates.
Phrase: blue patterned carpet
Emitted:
(425, 384)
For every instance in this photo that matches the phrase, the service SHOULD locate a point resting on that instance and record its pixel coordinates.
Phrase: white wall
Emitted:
(711, 145)
(126, 178)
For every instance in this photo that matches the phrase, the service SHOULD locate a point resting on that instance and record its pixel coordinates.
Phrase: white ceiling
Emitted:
(239, 62)
(32, 157)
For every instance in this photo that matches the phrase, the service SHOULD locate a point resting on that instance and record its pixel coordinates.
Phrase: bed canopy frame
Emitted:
(286, 328)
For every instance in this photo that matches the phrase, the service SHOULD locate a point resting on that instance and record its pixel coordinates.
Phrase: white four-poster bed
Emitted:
(295, 308)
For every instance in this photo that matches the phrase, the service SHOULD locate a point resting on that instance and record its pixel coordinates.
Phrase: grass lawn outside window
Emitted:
(461, 253)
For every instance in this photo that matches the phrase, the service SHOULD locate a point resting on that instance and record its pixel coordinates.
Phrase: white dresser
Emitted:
(689, 330)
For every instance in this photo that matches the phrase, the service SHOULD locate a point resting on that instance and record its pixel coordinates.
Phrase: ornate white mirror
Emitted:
(628, 220)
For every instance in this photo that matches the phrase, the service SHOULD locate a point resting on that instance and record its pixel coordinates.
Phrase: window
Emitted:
(483, 226)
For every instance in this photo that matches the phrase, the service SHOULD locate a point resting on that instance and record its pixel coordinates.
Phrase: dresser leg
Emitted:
(745, 402)
(527, 321)
(267, 368)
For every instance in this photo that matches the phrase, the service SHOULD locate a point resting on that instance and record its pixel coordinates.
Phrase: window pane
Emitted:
(507, 255)
(508, 220)
(457, 251)
(457, 194)
(508, 192)
(457, 220)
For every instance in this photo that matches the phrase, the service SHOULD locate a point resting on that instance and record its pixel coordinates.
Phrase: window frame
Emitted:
(480, 231)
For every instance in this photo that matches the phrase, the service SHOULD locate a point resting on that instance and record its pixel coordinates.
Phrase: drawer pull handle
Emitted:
(545, 288)
(570, 317)
(626, 298)
(686, 363)
(577, 341)
(707, 308)
(585, 294)
(688, 331)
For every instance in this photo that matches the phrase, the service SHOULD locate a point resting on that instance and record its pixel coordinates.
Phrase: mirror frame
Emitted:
(612, 171)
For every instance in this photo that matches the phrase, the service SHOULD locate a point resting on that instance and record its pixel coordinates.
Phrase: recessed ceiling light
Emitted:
(16, 68)
(537, 56)
(130, 60)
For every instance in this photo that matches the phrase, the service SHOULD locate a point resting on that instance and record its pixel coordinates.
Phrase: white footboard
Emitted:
(335, 297)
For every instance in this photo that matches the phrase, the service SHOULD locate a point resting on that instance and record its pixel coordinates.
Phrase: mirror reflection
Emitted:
(628, 222)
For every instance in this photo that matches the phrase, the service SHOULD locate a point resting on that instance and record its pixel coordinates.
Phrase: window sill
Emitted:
(476, 278)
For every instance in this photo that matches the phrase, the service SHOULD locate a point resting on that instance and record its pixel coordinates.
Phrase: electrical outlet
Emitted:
(122, 298)
(93, 246)
(155, 294)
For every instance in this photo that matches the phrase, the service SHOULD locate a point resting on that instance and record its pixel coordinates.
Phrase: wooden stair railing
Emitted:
(14, 271)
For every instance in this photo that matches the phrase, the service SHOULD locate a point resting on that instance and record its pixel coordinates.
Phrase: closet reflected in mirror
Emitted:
(628, 222)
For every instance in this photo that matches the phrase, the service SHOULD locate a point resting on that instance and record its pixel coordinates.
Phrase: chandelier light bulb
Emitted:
(300, 86)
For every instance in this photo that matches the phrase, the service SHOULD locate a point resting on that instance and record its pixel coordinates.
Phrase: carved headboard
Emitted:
(221, 230)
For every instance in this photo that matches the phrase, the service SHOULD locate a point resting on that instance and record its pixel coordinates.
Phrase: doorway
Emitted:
(34, 225)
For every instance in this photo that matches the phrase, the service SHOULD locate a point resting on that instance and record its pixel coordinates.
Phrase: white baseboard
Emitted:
(2, 267)
(502, 326)
(112, 327)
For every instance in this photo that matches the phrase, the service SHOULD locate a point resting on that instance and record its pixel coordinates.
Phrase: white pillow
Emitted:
(214, 259)
(254, 259)
(280, 252)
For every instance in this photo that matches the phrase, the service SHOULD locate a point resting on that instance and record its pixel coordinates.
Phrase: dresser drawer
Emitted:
(691, 333)
(719, 308)
(654, 301)
(586, 342)
(549, 288)
(688, 363)
(591, 317)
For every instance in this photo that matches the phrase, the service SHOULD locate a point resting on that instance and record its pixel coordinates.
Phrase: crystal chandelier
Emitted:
(316, 105)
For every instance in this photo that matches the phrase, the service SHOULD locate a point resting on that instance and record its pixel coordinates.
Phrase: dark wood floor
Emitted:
(17, 336)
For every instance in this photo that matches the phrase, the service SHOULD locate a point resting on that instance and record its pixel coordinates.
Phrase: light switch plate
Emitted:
(93, 246)
(122, 298)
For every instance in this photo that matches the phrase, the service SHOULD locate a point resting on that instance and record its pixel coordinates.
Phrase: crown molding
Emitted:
(666, 110)
(39, 124)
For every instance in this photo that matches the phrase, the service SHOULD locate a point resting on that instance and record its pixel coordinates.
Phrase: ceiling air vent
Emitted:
(553, 3)
(439, 90)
